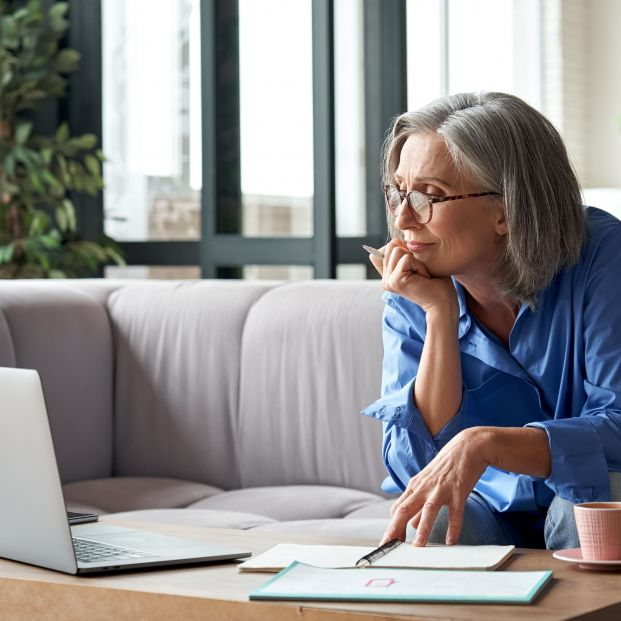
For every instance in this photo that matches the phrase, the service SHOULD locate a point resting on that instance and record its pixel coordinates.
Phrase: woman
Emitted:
(501, 388)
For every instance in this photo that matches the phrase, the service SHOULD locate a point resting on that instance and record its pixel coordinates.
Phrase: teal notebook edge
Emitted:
(262, 593)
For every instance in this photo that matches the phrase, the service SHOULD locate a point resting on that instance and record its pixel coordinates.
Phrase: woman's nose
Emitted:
(405, 218)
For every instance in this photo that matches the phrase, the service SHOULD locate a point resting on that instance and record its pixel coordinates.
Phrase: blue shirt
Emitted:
(561, 372)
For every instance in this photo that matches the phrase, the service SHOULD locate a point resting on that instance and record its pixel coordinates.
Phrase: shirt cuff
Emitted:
(398, 408)
(579, 472)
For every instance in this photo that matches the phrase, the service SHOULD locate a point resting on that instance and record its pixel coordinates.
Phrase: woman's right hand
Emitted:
(405, 275)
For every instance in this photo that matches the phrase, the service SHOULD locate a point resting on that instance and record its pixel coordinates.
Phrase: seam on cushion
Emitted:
(10, 333)
(237, 422)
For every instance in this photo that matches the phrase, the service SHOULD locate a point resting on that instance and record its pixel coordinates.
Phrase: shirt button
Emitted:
(382, 409)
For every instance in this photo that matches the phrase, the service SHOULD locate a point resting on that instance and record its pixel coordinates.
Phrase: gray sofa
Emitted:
(218, 403)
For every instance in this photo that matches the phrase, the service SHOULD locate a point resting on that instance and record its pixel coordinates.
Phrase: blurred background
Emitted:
(242, 137)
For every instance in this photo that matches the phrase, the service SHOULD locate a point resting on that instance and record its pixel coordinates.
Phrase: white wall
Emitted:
(603, 96)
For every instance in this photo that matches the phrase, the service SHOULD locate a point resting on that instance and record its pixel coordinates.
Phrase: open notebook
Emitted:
(405, 555)
(307, 583)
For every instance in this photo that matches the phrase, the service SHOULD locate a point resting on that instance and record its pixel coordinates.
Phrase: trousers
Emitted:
(553, 529)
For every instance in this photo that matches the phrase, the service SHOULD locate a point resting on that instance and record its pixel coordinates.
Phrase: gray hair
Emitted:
(510, 148)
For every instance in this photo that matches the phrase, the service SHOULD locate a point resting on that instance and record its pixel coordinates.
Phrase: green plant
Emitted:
(38, 228)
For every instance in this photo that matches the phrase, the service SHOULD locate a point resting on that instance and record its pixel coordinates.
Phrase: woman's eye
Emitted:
(434, 191)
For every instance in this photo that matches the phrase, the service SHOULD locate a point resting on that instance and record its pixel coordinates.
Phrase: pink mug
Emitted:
(599, 530)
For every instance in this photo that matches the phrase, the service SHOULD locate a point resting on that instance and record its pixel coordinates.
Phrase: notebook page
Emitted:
(284, 554)
(303, 582)
(446, 557)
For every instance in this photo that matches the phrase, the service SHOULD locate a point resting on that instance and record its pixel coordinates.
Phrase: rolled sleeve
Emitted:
(579, 471)
(399, 409)
(407, 446)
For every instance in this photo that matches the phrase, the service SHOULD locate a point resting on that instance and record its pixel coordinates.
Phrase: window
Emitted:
(458, 46)
(151, 119)
(222, 156)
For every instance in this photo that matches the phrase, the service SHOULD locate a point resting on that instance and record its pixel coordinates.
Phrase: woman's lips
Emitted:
(414, 246)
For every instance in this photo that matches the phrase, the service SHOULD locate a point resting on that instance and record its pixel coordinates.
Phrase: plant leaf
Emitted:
(62, 133)
(71, 217)
(67, 60)
(59, 9)
(61, 219)
(92, 165)
(22, 132)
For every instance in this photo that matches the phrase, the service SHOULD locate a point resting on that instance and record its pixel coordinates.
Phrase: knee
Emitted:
(560, 526)
(471, 528)
(615, 486)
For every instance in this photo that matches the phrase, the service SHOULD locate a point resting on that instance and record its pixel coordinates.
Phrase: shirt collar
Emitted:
(464, 316)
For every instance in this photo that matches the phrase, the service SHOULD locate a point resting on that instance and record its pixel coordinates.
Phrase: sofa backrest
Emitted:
(311, 360)
(63, 331)
(230, 383)
(177, 377)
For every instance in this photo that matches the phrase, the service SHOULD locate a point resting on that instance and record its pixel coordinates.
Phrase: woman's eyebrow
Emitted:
(433, 180)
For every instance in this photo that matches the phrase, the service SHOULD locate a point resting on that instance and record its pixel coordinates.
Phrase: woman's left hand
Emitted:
(447, 480)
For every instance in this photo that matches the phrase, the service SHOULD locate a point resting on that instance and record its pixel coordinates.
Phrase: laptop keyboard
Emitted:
(89, 551)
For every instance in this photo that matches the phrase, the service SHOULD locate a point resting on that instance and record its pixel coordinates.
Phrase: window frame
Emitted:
(222, 251)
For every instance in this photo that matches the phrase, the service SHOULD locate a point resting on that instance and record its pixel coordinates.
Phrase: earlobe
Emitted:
(501, 225)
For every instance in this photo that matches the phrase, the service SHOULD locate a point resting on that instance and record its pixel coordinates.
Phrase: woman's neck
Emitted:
(495, 310)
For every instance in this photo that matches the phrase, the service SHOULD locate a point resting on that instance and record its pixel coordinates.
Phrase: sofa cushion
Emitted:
(78, 507)
(377, 510)
(196, 517)
(341, 529)
(291, 502)
(131, 493)
(177, 377)
(64, 333)
(311, 360)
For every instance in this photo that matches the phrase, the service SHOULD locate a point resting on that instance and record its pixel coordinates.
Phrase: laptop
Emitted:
(34, 527)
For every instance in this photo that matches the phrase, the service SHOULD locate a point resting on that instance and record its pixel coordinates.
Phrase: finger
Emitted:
(378, 264)
(415, 521)
(392, 259)
(418, 266)
(398, 275)
(393, 532)
(392, 246)
(428, 517)
(403, 513)
(404, 496)
(456, 519)
(395, 505)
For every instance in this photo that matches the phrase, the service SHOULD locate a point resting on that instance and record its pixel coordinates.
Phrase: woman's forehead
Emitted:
(425, 158)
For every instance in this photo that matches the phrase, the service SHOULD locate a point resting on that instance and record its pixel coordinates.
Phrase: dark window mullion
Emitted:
(221, 191)
(83, 106)
(324, 201)
(161, 253)
(385, 86)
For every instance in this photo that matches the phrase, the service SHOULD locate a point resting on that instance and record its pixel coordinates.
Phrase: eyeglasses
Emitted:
(420, 204)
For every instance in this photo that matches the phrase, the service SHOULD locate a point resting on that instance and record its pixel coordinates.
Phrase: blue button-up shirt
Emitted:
(561, 372)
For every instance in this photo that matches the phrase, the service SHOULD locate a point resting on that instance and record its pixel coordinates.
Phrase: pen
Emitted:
(374, 251)
(368, 559)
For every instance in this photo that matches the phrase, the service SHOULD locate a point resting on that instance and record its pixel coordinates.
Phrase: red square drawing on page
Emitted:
(380, 582)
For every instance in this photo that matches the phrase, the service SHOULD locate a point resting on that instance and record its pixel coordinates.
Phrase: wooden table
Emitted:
(220, 593)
